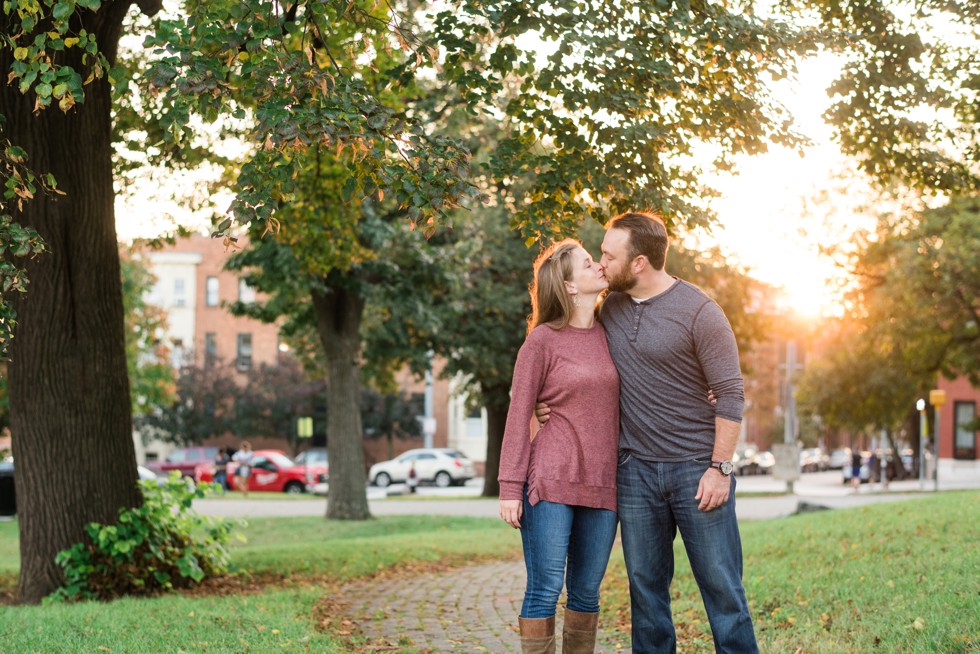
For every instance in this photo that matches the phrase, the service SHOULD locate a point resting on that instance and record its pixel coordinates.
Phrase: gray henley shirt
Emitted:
(669, 350)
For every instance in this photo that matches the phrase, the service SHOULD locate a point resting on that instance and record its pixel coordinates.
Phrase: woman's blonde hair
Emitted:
(550, 302)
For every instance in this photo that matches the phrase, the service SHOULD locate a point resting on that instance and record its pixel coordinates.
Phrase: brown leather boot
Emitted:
(578, 634)
(537, 635)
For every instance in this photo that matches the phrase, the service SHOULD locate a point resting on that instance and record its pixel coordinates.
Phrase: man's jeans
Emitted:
(655, 500)
(553, 533)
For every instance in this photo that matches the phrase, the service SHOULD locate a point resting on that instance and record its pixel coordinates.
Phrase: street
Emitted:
(753, 499)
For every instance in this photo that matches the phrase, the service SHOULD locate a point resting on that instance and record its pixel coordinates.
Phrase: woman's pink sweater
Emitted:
(572, 459)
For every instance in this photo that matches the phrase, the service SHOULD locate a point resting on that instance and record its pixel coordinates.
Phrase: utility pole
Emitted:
(787, 454)
(428, 418)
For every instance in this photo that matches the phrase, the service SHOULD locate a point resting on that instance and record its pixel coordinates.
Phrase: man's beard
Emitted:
(622, 282)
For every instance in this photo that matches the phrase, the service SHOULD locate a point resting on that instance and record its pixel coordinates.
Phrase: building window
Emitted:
(244, 358)
(965, 430)
(210, 348)
(180, 292)
(211, 291)
(246, 294)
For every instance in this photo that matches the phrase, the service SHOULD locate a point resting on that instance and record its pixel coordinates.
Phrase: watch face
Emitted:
(726, 467)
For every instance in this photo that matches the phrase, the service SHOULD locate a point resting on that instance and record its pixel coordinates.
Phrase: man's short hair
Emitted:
(648, 236)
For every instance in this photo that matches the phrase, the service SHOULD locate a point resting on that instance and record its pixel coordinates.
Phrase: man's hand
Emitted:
(542, 412)
(511, 511)
(713, 490)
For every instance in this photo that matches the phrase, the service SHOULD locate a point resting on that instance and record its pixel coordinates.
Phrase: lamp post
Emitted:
(937, 398)
(920, 404)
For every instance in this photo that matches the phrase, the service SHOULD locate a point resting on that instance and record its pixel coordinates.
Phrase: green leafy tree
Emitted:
(913, 315)
(386, 284)
(68, 366)
(906, 103)
(272, 397)
(204, 406)
(918, 286)
(151, 377)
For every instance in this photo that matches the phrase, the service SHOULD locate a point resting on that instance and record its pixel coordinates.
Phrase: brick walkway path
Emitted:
(472, 609)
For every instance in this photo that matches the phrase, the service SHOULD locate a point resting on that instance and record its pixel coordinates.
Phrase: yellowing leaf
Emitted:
(71, 41)
(20, 54)
(243, 56)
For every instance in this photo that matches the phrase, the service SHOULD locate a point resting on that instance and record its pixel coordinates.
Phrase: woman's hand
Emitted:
(511, 511)
(542, 412)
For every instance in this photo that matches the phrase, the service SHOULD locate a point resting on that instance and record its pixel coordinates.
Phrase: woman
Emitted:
(243, 458)
(559, 486)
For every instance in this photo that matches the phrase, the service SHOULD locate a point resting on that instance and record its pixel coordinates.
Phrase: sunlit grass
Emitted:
(892, 577)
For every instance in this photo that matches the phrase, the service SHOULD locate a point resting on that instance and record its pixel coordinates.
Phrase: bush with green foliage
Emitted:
(159, 546)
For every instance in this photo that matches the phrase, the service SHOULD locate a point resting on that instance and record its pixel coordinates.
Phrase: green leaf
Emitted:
(63, 9)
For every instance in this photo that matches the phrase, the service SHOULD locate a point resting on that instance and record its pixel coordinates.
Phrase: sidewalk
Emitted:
(473, 609)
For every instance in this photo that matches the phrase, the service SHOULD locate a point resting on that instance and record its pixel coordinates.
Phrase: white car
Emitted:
(440, 466)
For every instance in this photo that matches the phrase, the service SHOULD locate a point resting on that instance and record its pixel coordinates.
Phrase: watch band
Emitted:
(720, 466)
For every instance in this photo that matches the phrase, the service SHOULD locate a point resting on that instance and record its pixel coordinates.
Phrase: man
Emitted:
(671, 344)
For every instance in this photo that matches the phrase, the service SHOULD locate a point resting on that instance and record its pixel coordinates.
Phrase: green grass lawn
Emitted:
(895, 577)
(311, 555)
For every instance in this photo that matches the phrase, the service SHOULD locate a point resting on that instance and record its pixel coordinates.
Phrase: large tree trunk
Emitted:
(338, 315)
(69, 391)
(498, 402)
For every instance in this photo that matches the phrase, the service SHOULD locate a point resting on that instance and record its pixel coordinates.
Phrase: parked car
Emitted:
(188, 460)
(754, 462)
(440, 466)
(839, 458)
(318, 469)
(273, 471)
(145, 474)
(813, 459)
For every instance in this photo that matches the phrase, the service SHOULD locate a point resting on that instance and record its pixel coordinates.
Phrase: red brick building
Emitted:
(958, 461)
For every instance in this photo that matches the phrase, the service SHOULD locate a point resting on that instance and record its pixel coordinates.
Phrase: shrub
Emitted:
(156, 547)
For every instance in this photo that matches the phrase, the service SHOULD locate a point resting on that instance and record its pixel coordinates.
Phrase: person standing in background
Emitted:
(243, 472)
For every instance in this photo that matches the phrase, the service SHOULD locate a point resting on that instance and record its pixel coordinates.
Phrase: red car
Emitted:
(275, 472)
(188, 460)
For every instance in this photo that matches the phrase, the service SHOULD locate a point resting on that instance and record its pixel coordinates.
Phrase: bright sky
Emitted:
(771, 220)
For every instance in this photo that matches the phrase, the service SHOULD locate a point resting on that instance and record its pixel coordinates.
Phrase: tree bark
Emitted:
(498, 402)
(69, 391)
(338, 315)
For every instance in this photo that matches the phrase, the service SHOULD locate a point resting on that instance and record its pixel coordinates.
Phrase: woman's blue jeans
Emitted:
(656, 499)
(556, 534)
